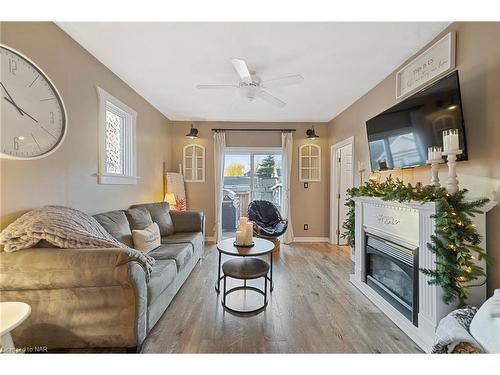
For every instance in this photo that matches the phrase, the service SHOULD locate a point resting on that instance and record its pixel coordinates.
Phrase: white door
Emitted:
(344, 168)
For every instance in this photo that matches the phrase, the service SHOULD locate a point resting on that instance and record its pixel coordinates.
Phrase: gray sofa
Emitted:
(96, 298)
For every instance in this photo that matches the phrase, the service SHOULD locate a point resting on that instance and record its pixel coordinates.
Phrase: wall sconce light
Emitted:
(193, 133)
(311, 134)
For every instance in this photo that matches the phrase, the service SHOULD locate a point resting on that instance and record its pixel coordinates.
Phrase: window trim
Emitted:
(129, 177)
(194, 163)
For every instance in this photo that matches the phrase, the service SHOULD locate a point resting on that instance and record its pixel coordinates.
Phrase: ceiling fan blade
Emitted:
(215, 87)
(271, 99)
(283, 81)
(242, 69)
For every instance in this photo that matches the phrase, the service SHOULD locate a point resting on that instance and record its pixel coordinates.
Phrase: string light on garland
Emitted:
(455, 240)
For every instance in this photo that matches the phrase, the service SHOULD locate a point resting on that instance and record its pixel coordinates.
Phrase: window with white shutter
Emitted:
(117, 154)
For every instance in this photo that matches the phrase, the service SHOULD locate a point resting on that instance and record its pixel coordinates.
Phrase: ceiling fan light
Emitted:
(193, 133)
(311, 134)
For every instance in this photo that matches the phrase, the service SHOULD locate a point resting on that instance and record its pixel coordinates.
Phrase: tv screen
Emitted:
(400, 136)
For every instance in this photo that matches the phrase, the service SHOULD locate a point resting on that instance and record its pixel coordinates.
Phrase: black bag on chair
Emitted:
(267, 219)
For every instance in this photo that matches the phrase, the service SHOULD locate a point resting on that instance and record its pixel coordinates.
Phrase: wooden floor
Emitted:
(313, 309)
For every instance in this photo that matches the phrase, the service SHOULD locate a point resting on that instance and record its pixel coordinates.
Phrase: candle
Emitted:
(450, 140)
(243, 221)
(454, 139)
(438, 153)
(249, 233)
(240, 237)
(434, 153)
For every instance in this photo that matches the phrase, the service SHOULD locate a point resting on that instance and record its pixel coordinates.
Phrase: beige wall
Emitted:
(309, 206)
(67, 176)
(478, 63)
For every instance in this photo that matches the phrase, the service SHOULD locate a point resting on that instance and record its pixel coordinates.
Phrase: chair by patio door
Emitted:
(249, 174)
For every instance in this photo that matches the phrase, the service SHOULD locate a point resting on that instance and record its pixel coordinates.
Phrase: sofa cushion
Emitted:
(139, 218)
(193, 238)
(160, 213)
(187, 221)
(164, 273)
(181, 253)
(147, 239)
(116, 224)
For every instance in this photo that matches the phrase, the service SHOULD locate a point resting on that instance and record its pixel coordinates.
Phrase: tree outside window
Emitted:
(267, 168)
(234, 169)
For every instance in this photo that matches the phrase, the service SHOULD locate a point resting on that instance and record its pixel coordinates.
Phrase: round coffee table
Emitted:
(261, 247)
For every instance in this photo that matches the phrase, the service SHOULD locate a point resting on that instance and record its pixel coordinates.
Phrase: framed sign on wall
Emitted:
(434, 62)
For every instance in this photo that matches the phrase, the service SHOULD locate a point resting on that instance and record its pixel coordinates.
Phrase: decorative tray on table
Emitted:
(252, 245)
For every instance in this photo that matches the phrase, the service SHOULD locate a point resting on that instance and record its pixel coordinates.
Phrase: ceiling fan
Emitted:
(251, 86)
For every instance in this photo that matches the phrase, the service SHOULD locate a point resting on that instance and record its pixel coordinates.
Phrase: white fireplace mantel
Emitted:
(410, 225)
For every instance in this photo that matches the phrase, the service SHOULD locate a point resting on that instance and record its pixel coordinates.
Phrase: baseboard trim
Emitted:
(295, 239)
(311, 239)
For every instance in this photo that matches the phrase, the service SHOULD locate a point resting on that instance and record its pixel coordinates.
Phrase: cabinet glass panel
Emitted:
(194, 163)
(314, 174)
(314, 151)
(310, 163)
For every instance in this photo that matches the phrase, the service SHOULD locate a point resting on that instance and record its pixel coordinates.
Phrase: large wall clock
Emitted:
(33, 119)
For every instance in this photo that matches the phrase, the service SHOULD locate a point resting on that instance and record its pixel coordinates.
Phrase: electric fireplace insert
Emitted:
(392, 272)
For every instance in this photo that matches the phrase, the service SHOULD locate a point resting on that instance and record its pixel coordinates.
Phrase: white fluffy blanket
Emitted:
(454, 329)
(66, 228)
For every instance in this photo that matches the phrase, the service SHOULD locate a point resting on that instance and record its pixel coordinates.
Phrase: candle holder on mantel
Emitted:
(361, 171)
(435, 170)
(451, 150)
(452, 181)
(434, 158)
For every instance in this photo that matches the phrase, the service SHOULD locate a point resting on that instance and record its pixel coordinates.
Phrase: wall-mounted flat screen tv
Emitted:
(400, 136)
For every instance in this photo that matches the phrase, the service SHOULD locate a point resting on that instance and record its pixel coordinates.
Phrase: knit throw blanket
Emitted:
(65, 228)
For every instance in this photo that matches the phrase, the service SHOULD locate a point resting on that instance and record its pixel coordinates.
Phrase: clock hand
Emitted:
(34, 119)
(23, 112)
(12, 100)
(32, 136)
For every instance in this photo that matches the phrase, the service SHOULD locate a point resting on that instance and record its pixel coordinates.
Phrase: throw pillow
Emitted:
(147, 239)
(116, 224)
(139, 218)
(160, 213)
(485, 327)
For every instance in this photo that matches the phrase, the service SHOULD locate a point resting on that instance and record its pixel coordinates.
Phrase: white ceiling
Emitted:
(164, 62)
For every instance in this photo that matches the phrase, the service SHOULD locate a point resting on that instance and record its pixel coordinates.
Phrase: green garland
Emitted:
(456, 238)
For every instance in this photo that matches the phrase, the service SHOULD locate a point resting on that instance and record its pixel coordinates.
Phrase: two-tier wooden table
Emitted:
(261, 247)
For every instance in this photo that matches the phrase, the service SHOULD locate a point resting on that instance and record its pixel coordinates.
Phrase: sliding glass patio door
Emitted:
(249, 174)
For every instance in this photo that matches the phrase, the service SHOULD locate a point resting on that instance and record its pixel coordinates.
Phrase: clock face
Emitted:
(32, 117)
